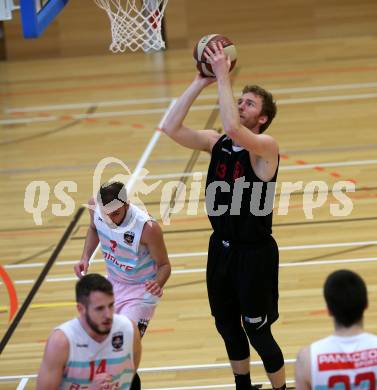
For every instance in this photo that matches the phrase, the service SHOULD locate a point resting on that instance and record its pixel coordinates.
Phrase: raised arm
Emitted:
(173, 124)
(52, 368)
(260, 145)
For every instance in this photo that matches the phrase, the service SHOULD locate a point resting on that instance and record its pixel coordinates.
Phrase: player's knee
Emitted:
(266, 346)
(142, 326)
(234, 337)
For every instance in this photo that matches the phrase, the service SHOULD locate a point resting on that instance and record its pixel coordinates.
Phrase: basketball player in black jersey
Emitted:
(243, 258)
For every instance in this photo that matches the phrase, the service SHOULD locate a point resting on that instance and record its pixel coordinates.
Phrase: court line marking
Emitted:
(47, 305)
(22, 384)
(202, 270)
(271, 74)
(284, 265)
(28, 120)
(113, 114)
(12, 294)
(173, 161)
(189, 174)
(125, 102)
(161, 369)
(148, 150)
(198, 254)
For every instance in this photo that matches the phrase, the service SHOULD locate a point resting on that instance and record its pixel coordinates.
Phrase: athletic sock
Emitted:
(243, 381)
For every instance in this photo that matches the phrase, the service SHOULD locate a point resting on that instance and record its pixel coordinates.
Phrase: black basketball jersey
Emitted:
(239, 204)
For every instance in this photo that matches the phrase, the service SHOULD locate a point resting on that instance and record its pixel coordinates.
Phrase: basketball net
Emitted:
(135, 24)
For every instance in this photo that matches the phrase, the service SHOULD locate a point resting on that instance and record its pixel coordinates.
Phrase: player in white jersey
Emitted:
(96, 351)
(134, 251)
(347, 359)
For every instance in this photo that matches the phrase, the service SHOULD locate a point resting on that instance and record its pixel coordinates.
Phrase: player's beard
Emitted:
(250, 123)
(95, 328)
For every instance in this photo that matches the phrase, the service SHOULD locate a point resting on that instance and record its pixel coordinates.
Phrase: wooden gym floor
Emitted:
(59, 118)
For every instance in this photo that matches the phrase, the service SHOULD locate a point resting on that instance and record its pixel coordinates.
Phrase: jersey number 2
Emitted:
(345, 379)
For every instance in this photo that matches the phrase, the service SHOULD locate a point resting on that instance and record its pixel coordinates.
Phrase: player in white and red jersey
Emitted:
(134, 251)
(347, 359)
(96, 351)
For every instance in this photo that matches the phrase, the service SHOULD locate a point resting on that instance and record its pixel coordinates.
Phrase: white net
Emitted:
(135, 24)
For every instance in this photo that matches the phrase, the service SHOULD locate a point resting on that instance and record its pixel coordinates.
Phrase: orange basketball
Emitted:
(205, 68)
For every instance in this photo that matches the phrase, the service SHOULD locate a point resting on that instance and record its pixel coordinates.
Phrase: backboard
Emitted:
(36, 15)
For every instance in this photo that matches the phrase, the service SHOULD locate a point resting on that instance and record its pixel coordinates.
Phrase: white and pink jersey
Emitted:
(127, 260)
(87, 357)
(344, 363)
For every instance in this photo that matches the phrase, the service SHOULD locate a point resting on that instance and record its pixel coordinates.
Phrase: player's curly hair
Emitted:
(269, 107)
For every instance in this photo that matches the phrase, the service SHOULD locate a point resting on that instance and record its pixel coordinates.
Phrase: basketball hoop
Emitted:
(135, 24)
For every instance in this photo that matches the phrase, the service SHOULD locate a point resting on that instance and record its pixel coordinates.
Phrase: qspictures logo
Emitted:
(264, 197)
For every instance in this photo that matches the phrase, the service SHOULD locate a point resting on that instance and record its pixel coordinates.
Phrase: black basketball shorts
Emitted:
(242, 280)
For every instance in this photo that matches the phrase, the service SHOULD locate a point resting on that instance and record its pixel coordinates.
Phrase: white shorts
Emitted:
(134, 302)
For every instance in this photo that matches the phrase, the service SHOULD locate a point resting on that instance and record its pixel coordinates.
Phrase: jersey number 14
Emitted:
(101, 368)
